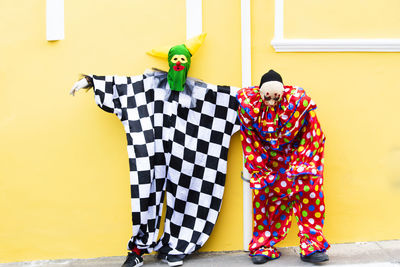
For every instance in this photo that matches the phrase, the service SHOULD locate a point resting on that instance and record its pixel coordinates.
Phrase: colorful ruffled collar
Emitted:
(277, 125)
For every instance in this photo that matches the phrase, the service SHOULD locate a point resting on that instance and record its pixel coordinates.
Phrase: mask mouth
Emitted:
(271, 101)
(178, 66)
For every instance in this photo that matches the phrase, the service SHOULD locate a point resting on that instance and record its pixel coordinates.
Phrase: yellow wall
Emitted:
(64, 185)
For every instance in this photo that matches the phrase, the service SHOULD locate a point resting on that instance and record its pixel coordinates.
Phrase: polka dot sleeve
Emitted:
(254, 153)
(308, 154)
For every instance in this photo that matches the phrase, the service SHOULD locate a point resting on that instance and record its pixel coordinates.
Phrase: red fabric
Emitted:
(272, 215)
(284, 151)
(285, 140)
(137, 251)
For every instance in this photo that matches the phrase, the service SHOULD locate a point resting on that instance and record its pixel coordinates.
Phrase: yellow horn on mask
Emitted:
(161, 52)
(192, 44)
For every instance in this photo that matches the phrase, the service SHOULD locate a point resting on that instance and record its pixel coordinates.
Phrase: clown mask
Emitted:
(271, 93)
(179, 59)
(271, 88)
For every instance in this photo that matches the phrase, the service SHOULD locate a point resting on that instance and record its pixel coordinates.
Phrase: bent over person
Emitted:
(283, 145)
(178, 132)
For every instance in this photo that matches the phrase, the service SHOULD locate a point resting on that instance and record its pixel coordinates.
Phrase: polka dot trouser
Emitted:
(272, 210)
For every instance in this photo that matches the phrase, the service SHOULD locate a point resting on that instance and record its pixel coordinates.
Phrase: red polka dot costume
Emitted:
(284, 149)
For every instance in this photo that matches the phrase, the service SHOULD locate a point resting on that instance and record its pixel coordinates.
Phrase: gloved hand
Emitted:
(82, 83)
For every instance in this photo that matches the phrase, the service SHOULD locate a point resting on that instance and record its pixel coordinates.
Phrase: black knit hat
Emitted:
(271, 76)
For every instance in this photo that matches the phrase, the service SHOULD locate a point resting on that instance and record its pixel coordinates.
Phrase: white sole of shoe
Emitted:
(175, 263)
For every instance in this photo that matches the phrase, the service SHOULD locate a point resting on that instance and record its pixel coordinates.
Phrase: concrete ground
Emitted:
(383, 253)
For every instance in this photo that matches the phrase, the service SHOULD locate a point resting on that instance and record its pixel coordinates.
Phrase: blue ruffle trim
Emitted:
(280, 148)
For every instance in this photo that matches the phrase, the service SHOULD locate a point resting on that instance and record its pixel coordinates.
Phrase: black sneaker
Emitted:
(172, 260)
(258, 259)
(316, 257)
(133, 260)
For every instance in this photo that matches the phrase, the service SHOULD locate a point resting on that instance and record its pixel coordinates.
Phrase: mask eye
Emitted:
(183, 59)
(174, 59)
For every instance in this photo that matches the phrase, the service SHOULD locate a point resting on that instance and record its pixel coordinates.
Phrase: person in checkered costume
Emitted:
(178, 144)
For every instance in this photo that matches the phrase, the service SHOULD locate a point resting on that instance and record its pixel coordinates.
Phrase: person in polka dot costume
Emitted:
(283, 145)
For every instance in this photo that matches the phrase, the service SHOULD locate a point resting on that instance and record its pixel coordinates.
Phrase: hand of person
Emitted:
(82, 83)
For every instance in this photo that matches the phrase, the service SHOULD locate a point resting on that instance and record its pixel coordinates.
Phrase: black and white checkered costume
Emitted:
(177, 143)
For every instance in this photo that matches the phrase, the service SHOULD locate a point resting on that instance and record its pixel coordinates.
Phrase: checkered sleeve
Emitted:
(108, 91)
(227, 106)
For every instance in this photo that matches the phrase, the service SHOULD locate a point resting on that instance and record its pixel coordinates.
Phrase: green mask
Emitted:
(179, 59)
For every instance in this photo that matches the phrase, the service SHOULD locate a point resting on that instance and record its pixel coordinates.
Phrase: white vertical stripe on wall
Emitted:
(246, 81)
(278, 20)
(54, 20)
(194, 19)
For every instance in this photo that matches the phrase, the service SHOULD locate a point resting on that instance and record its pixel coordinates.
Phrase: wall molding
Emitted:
(246, 82)
(194, 18)
(282, 44)
(54, 20)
